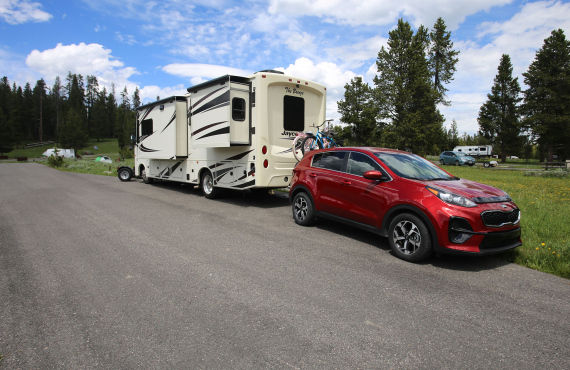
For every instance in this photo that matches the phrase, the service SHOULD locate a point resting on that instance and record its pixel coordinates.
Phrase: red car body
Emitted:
(488, 221)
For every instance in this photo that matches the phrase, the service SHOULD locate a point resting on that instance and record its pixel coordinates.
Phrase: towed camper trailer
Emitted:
(475, 150)
(232, 132)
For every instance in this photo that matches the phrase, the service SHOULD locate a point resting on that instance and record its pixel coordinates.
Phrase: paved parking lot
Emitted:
(99, 273)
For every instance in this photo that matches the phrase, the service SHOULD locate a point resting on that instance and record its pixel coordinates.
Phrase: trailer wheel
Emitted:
(125, 173)
(145, 178)
(207, 185)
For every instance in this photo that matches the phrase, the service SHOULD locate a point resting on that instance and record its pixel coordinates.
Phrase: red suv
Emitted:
(418, 206)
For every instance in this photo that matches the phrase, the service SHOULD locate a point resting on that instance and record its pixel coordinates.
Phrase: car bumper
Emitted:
(484, 243)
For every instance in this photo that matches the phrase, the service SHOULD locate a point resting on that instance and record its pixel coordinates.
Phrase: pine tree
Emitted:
(442, 59)
(404, 92)
(359, 111)
(499, 116)
(136, 98)
(547, 99)
(39, 111)
(90, 97)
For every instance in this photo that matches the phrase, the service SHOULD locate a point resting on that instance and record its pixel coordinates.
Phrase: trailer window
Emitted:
(238, 109)
(146, 127)
(293, 113)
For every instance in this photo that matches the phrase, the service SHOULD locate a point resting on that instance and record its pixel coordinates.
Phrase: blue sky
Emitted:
(163, 47)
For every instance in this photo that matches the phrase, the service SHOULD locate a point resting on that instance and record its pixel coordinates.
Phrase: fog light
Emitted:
(459, 230)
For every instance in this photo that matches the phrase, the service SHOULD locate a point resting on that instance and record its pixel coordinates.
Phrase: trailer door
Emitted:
(240, 117)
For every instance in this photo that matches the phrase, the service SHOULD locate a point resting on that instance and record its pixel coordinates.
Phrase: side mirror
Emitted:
(375, 175)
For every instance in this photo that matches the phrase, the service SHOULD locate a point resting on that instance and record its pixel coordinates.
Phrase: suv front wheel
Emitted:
(409, 238)
(303, 210)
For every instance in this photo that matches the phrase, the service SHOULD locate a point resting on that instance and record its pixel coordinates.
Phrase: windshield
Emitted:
(412, 166)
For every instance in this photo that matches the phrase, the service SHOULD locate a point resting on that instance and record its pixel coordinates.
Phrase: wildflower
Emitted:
(543, 244)
(537, 248)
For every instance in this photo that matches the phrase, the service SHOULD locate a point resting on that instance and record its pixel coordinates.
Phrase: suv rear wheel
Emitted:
(409, 238)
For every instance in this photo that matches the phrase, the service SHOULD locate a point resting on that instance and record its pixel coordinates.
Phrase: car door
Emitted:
(365, 199)
(328, 173)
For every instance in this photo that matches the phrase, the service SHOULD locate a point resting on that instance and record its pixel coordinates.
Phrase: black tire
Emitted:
(207, 185)
(145, 178)
(125, 174)
(457, 163)
(409, 238)
(441, 162)
(303, 209)
(310, 143)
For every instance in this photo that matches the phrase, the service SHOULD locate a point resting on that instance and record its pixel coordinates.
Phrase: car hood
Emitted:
(480, 193)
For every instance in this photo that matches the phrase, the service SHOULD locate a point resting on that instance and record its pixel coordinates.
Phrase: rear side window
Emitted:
(238, 109)
(330, 160)
(293, 113)
(146, 127)
(358, 163)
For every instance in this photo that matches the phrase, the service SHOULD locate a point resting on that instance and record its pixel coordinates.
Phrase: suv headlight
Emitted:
(451, 198)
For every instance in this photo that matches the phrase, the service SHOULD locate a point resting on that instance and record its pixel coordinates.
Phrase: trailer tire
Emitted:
(207, 185)
(145, 178)
(125, 173)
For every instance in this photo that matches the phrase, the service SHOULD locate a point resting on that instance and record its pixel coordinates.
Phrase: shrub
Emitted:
(55, 161)
(125, 153)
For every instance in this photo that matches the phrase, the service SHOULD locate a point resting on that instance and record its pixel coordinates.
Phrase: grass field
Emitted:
(544, 204)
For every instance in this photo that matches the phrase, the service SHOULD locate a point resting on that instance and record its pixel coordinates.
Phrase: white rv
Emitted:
(475, 150)
(231, 132)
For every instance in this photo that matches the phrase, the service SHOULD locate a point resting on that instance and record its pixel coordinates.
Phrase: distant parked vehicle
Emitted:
(104, 159)
(475, 150)
(66, 153)
(456, 158)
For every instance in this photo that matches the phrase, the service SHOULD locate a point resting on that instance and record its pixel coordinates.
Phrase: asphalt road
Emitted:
(95, 273)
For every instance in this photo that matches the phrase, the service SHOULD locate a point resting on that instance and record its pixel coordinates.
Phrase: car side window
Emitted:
(358, 163)
(329, 160)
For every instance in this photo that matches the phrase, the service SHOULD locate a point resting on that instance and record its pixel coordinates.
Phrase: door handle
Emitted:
(346, 182)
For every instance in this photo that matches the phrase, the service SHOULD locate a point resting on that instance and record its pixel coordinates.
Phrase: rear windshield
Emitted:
(413, 167)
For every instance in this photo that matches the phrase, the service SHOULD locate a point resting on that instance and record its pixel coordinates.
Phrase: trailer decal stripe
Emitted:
(246, 184)
(222, 99)
(239, 156)
(218, 174)
(206, 97)
(286, 151)
(171, 120)
(145, 149)
(207, 127)
(225, 130)
(214, 107)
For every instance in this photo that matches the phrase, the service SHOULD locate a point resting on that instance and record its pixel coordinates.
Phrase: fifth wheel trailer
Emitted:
(232, 132)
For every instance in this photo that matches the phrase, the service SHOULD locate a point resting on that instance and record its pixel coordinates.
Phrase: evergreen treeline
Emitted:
(69, 113)
(400, 110)
(512, 119)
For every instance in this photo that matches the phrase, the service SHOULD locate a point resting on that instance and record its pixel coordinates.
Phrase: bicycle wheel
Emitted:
(310, 143)
(298, 147)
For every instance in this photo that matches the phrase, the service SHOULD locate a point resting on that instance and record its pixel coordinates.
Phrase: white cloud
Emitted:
(86, 59)
(358, 12)
(150, 93)
(355, 55)
(519, 37)
(14, 68)
(201, 72)
(22, 11)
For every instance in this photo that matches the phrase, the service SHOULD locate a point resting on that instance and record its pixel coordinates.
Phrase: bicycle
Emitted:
(307, 141)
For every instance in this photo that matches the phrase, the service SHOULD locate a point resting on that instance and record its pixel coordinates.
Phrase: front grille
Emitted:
(500, 218)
